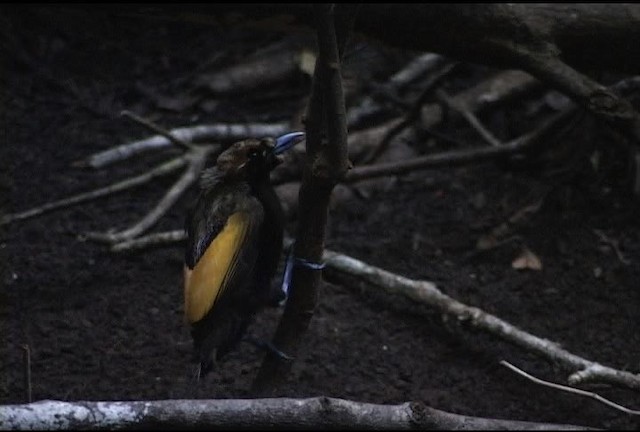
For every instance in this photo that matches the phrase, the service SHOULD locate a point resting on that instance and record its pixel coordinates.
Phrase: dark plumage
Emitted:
(234, 245)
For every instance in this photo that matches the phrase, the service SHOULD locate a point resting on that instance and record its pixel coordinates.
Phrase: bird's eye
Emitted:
(253, 154)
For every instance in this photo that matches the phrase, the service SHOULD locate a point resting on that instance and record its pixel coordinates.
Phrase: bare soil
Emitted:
(105, 326)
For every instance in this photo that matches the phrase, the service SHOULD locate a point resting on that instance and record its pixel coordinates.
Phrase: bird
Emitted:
(234, 243)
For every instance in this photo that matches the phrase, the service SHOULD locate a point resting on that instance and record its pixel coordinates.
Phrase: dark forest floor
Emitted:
(104, 326)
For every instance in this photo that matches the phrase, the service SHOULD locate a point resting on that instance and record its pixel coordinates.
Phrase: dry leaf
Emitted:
(527, 260)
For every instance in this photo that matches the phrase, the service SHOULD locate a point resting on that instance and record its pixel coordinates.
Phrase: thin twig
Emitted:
(414, 111)
(496, 91)
(570, 389)
(160, 170)
(523, 143)
(593, 96)
(390, 91)
(469, 116)
(615, 245)
(150, 240)
(197, 159)
(157, 129)
(488, 94)
(27, 373)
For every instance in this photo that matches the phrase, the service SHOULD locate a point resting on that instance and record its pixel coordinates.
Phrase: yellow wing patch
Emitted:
(206, 282)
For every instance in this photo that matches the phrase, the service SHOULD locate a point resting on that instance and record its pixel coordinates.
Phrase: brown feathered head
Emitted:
(250, 158)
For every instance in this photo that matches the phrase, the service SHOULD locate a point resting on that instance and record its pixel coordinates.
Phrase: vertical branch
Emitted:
(327, 164)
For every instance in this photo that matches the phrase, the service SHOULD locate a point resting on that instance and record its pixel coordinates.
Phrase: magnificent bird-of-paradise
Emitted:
(234, 243)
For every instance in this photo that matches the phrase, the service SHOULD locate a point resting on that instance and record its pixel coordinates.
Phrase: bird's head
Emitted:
(253, 158)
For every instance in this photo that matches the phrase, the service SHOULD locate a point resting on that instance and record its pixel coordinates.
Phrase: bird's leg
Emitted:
(267, 346)
(286, 277)
(288, 272)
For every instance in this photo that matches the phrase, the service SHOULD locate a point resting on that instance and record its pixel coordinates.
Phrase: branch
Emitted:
(212, 132)
(497, 90)
(589, 35)
(550, 41)
(320, 413)
(414, 111)
(600, 101)
(501, 89)
(157, 129)
(258, 71)
(197, 158)
(415, 69)
(427, 293)
(453, 158)
(469, 116)
(419, 67)
(150, 240)
(160, 170)
(547, 40)
(325, 166)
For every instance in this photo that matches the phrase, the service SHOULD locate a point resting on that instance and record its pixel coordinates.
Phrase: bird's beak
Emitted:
(285, 142)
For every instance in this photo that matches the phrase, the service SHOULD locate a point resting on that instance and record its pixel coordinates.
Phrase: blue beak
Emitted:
(285, 142)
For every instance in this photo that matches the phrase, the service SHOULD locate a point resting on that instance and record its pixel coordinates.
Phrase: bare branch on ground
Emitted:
(320, 413)
(210, 132)
(197, 158)
(426, 292)
(131, 182)
(150, 240)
